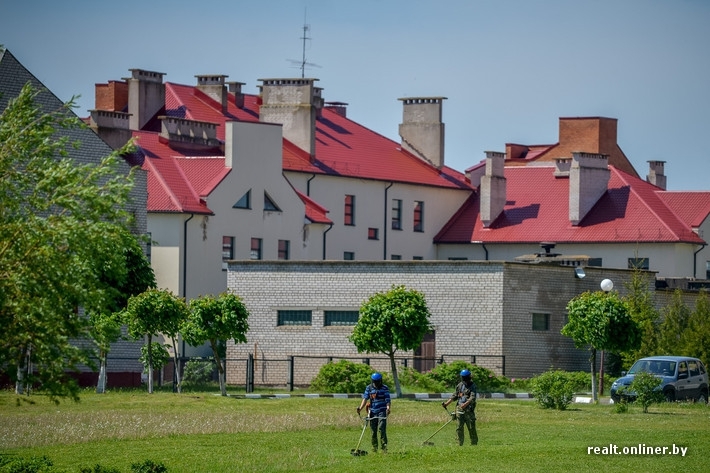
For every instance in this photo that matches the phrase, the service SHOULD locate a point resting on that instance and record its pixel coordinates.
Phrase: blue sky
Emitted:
(509, 68)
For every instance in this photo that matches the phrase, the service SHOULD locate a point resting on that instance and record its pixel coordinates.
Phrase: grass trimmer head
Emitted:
(452, 416)
(356, 452)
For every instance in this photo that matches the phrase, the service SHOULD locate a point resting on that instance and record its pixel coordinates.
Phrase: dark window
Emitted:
(349, 218)
(418, 216)
(294, 317)
(256, 248)
(638, 263)
(457, 258)
(707, 270)
(284, 249)
(269, 204)
(373, 233)
(227, 250)
(396, 257)
(396, 214)
(541, 322)
(417, 258)
(348, 255)
(340, 317)
(244, 202)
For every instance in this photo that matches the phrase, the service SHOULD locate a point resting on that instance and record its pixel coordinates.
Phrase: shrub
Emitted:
(99, 469)
(26, 465)
(148, 466)
(554, 389)
(419, 382)
(345, 377)
(198, 371)
(645, 387)
(448, 374)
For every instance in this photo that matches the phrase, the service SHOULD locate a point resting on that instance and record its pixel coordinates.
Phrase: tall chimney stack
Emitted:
(146, 96)
(588, 181)
(422, 129)
(656, 174)
(213, 86)
(493, 188)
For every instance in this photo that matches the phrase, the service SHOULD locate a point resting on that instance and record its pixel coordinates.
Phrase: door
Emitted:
(425, 355)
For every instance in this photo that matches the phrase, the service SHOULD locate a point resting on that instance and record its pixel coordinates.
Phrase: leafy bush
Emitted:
(448, 374)
(645, 387)
(198, 372)
(554, 389)
(99, 469)
(148, 466)
(26, 465)
(345, 377)
(419, 382)
(160, 356)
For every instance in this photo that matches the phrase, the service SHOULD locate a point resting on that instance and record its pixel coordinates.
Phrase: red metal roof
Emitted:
(537, 209)
(691, 207)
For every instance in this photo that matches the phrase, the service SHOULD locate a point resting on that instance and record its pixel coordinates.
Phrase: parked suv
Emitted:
(682, 378)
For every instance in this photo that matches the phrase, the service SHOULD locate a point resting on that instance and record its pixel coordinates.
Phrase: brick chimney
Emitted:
(493, 188)
(146, 96)
(235, 88)
(214, 87)
(588, 180)
(295, 104)
(656, 175)
(422, 130)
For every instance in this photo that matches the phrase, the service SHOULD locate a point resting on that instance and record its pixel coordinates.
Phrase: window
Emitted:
(418, 216)
(294, 317)
(349, 218)
(396, 257)
(256, 248)
(227, 250)
(244, 202)
(348, 255)
(373, 233)
(457, 258)
(707, 270)
(638, 263)
(396, 214)
(284, 249)
(340, 317)
(269, 204)
(417, 258)
(541, 322)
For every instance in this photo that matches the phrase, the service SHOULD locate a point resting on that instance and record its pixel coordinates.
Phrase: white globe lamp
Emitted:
(607, 285)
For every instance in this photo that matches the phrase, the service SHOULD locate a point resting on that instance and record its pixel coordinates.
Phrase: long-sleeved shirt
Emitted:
(379, 399)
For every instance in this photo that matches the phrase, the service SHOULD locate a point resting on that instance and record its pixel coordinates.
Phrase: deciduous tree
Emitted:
(389, 321)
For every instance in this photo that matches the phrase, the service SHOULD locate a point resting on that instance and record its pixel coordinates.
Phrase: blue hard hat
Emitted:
(465, 373)
(376, 377)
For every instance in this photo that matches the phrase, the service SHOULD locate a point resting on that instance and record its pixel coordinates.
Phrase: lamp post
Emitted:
(606, 285)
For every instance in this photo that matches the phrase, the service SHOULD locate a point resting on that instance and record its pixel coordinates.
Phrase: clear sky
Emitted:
(509, 68)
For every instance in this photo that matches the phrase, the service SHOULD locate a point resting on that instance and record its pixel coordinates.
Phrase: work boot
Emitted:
(384, 448)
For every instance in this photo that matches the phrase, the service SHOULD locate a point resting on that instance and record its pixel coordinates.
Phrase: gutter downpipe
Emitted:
(695, 259)
(329, 227)
(483, 245)
(384, 237)
(308, 185)
(184, 283)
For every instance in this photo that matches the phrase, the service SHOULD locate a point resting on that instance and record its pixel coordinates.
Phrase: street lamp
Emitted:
(606, 285)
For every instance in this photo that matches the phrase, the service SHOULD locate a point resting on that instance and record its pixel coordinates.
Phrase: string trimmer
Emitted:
(452, 415)
(356, 452)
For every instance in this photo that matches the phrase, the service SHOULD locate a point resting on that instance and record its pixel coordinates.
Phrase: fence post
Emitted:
(473, 359)
(250, 374)
(290, 372)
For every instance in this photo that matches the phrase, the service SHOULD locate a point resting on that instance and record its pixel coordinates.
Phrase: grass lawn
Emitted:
(204, 432)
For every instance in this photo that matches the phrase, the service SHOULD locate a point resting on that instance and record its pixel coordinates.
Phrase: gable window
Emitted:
(244, 202)
(373, 234)
(269, 204)
(284, 249)
(294, 317)
(349, 217)
(256, 248)
(340, 317)
(396, 214)
(418, 216)
(638, 263)
(227, 250)
(540, 322)
(348, 255)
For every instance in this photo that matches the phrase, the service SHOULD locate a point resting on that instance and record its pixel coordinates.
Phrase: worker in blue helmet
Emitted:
(465, 397)
(377, 398)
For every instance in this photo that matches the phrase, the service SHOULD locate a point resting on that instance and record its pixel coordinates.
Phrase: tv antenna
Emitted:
(302, 64)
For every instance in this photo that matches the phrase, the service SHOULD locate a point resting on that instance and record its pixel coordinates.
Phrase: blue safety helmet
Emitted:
(376, 377)
(465, 374)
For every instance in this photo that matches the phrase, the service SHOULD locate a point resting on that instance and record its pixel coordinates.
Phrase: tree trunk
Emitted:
(393, 365)
(177, 367)
(150, 364)
(220, 368)
(594, 375)
(101, 384)
(19, 389)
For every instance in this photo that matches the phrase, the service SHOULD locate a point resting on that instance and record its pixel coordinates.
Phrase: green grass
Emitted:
(204, 432)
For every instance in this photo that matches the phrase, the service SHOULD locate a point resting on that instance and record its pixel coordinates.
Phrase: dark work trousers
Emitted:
(379, 423)
(467, 418)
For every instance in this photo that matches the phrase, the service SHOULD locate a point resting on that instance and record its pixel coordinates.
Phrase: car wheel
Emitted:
(670, 395)
(703, 397)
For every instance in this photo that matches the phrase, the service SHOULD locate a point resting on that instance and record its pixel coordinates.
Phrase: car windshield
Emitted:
(659, 367)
